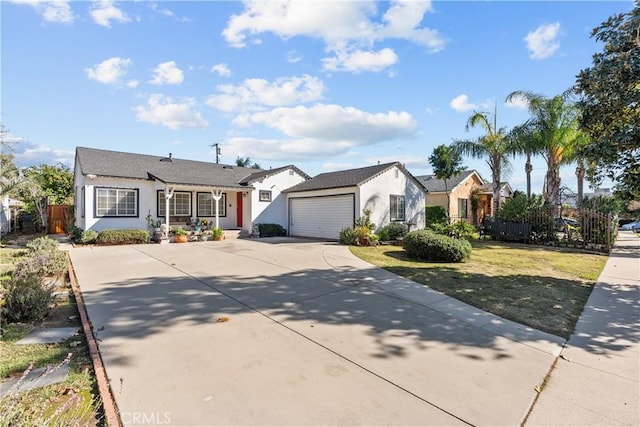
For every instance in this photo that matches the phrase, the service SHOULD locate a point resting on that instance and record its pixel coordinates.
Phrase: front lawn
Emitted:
(545, 288)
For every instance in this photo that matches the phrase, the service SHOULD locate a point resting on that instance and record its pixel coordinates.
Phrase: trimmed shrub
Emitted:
(425, 244)
(348, 236)
(392, 231)
(436, 215)
(122, 237)
(76, 233)
(43, 243)
(41, 264)
(457, 230)
(26, 299)
(271, 230)
(88, 237)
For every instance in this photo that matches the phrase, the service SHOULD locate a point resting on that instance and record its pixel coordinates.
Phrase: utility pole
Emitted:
(218, 152)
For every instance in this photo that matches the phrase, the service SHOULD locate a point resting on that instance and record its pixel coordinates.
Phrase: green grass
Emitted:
(545, 288)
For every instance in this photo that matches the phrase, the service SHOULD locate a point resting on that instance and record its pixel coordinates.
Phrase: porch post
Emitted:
(217, 195)
(168, 194)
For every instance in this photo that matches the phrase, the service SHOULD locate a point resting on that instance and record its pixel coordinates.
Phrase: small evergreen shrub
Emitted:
(271, 230)
(393, 231)
(88, 237)
(348, 236)
(41, 264)
(365, 220)
(26, 299)
(122, 237)
(43, 243)
(427, 245)
(457, 230)
(76, 233)
(436, 215)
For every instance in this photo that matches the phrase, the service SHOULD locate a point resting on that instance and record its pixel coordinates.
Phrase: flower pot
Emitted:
(180, 238)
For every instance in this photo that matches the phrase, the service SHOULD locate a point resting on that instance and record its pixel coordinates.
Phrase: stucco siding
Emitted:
(275, 211)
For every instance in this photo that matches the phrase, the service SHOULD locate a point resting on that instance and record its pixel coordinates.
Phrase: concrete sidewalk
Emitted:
(596, 380)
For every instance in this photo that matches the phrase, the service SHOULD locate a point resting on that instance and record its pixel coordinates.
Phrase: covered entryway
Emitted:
(321, 216)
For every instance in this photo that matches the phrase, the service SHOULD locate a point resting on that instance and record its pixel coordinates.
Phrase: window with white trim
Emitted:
(179, 204)
(116, 202)
(396, 208)
(207, 206)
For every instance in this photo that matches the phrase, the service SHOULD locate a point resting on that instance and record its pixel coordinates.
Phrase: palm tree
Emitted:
(554, 126)
(496, 145)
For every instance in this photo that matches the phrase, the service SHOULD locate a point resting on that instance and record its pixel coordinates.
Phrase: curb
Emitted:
(108, 402)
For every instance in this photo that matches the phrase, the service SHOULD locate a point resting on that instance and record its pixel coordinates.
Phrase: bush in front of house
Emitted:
(436, 215)
(457, 230)
(88, 237)
(271, 230)
(427, 245)
(122, 237)
(43, 243)
(26, 299)
(392, 231)
(348, 236)
(41, 264)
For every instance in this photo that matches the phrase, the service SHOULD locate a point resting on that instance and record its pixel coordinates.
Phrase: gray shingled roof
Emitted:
(345, 178)
(177, 171)
(435, 185)
(265, 173)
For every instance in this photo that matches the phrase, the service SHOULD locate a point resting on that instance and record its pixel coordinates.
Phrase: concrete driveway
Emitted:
(313, 336)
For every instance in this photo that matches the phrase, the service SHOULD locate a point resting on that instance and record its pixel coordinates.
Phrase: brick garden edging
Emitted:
(108, 402)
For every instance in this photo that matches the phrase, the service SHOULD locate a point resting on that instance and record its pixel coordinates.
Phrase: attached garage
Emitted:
(321, 216)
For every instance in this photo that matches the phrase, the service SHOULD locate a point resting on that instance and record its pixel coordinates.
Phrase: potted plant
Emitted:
(217, 233)
(180, 235)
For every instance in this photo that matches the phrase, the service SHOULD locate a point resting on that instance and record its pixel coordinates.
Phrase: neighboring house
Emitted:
(118, 190)
(506, 192)
(460, 188)
(9, 209)
(323, 205)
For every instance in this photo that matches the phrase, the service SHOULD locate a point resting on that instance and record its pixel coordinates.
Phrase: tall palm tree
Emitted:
(496, 145)
(554, 126)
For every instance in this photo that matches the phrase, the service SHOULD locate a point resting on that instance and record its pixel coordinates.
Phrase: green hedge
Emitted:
(425, 244)
(271, 230)
(122, 237)
(392, 231)
(436, 215)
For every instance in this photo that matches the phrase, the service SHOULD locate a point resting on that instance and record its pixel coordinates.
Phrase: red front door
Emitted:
(239, 210)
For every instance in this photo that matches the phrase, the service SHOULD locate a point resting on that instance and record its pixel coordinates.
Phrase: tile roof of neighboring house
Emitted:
(92, 161)
(346, 178)
(435, 185)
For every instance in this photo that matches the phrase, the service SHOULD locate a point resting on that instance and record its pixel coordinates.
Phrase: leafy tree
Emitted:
(610, 107)
(446, 163)
(553, 132)
(56, 182)
(496, 145)
(246, 163)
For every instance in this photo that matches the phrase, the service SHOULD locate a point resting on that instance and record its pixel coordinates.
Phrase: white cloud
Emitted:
(293, 56)
(320, 130)
(517, 102)
(542, 42)
(347, 28)
(30, 154)
(222, 70)
(166, 12)
(58, 11)
(461, 103)
(164, 111)
(359, 60)
(167, 73)
(104, 11)
(254, 94)
(132, 83)
(110, 70)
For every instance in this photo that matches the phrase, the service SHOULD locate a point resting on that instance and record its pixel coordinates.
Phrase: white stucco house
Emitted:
(325, 204)
(119, 190)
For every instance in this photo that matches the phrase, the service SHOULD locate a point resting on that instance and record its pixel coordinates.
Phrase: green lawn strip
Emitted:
(545, 288)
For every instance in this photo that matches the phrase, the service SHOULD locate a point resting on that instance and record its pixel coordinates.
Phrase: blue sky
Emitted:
(322, 85)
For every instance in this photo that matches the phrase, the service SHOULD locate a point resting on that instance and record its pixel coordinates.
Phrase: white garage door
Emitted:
(321, 217)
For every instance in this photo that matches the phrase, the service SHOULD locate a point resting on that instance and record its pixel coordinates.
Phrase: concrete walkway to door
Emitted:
(288, 332)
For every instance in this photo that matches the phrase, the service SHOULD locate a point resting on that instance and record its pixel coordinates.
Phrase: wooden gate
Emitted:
(58, 217)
